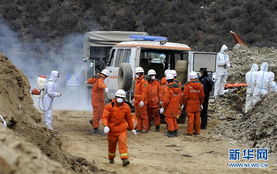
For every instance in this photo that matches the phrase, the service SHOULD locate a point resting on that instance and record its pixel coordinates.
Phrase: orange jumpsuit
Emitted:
(154, 93)
(97, 98)
(163, 86)
(193, 97)
(172, 101)
(118, 118)
(140, 94)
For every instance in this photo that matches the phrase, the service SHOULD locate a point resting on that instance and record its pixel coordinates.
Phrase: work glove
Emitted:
(161, 110)
(182, 107)
(134, 132)
(106, 129)
(59, 94)
(161, 103)
(106, 90)
(141, 104)
(201, 107)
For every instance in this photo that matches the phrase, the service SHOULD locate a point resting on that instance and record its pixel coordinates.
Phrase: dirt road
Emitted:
(150, 153)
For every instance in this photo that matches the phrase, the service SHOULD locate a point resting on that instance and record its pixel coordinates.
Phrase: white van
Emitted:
(158, 55)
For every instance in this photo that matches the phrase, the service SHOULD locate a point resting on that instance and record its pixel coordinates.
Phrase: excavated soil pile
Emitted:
(258, 128)
(242, 59)
(16, 106)
(19, 156)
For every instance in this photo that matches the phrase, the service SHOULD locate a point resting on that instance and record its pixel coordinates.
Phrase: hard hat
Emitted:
(151, 72)
(139, 70)
(174, 73)
(120, 93)
(167, 72)
(193, 75)
(105, 72)
(169, 76)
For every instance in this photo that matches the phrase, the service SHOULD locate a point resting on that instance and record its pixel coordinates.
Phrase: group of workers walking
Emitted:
(153, 98)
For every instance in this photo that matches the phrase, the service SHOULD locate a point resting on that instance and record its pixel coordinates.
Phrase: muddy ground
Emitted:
(152, 152)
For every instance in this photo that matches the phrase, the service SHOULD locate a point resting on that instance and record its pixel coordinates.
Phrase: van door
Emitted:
(111, 81)
(199, 60)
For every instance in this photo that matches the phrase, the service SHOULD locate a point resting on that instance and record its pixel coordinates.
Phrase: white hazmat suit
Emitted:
(263, 83)
(250, 78)
(223, 63)
(48, 98)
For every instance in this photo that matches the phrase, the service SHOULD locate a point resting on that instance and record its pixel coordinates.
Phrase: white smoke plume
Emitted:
(38, 58)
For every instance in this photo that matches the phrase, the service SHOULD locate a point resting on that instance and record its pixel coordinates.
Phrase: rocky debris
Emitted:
(257, 128)
(242, 59)
(21, 116)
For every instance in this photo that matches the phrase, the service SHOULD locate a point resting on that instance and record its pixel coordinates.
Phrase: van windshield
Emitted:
(99, 52)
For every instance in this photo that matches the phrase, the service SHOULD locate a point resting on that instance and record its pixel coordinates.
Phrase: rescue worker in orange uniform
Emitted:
(175, 77)
(116, 119)
(153, 104)
(193, 97)
(98, 96)
(163, 80)
(163, 86)
(172, 101)
(140, 101)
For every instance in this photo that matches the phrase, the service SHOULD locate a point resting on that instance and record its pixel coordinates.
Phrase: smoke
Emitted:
(36, 58)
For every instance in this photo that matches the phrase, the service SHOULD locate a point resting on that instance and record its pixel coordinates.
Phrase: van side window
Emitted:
(118, 58)
(126, 55)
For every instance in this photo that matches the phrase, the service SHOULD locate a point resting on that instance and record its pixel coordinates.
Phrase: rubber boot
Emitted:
(144, 131)
(96, 131)
(111, 161)
(157, 129)
(125, 162)
(175, 133)
(170, 134)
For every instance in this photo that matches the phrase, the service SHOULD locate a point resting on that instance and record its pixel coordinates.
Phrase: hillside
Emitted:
(202, 24)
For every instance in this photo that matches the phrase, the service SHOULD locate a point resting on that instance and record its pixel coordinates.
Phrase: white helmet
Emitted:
(173, 72)
(151, 72)
(193, 75)
(139, 70)
(120, 93)
(167, 72)
(105, 72)
(169, 76)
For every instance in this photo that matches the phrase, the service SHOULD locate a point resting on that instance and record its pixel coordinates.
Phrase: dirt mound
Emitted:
(258, 127)
(18, 110)
(242, 59)
(19, 156)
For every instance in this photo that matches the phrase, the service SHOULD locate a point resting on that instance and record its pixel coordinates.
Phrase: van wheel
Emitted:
(125, 76)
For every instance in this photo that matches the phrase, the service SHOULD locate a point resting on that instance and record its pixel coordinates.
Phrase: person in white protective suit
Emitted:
(223, 63)
(250, 77)
(263, 83)
(50, 93)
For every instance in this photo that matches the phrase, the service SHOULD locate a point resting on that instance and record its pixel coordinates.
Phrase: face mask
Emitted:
(153, 77)
(137, 76)
(119, 100)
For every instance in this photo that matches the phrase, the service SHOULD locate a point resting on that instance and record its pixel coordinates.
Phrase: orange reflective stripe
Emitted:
(111, 154)
(124, 154)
